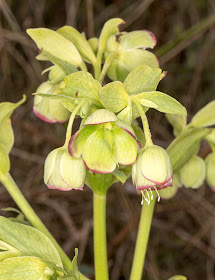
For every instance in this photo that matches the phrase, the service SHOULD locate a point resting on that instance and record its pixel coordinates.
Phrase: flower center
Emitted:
(108, 126)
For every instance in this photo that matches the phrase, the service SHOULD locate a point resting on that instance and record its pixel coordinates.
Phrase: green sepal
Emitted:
(6, 131)
(143, 79)
(205, 117)
(28, 241)
(110, 28)
(81, 85)
(80, 43)
(210, 169)
(98, 182)
(4, 161)
(101, 116)
(161, 102)
(74, 273)
(126, 61)
(113, 96)
(185, 146)
(193, 173)
(137, 39)
(56, 75)
(178, 123)
(20, 268)
(51, 45)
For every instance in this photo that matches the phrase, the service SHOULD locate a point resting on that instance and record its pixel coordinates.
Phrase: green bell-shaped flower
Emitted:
(104, 141)
(48, 110)
(152, 171)
(192, 174)
(64, 172)
(130, 52)
(210, 171)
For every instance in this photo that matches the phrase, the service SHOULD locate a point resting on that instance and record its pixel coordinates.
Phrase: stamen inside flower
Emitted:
(146, 191)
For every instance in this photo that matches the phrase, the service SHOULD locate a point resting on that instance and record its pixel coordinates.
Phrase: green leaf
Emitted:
(185, 146)
(178, 122)
(57, 48)
(4, 161)
(81, 85)
(6, 131)
(126, 61)
(178, 277)
(137, 39)
(142, 79)
(57, 97)
(120, 175)
(21, 268)
(28, 240)
(164, 102)
(205, 117)
(113, 96)
(110, 28)
(79, 41)
(74, 273)
(211, 136)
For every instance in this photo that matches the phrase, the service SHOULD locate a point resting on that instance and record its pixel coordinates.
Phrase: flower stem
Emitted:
(144, 121)
(70, 124)
(29, 213)
(100, 247)
(142, 240)
(106, 66)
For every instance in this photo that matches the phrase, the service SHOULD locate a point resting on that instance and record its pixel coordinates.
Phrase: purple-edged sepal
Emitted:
(64, 172)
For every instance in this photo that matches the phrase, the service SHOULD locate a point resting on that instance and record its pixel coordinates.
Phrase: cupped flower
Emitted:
(192, 174)
(48, 110)
(152, 171)
(103, 142)
(63, 172)
(210, 171)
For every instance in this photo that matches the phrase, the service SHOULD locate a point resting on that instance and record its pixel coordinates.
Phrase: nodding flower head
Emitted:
(63, 172)
(48, 110)
(152, 171)
(103, 142)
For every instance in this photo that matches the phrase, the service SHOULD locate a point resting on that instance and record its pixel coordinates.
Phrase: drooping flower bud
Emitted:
(64, 172)
(152, 171)
(104, 142)
(192, 174)
(49, 110)
(210, 171)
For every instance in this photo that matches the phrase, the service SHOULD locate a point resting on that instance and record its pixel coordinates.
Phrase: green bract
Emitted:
(130, 52)
(210, 170)
(140, 84)
(64, 172)
(49, 110)
(152, 170)
(192, 174)
(104, 142)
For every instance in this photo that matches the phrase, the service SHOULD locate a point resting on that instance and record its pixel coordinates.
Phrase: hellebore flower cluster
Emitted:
(104, 141)
(152, 171)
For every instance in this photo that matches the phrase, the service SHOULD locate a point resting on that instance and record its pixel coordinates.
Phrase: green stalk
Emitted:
(106, 66)
(100, 247)
(144, 121)
(28, 211)
(142, 240)
(186, 35)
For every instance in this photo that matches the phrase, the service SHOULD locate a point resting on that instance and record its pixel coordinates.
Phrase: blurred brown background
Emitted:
(182, 238)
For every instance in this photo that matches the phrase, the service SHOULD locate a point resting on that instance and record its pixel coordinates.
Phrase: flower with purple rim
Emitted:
(153, 170)
(103, 142)
(48, 110)
(63, 172)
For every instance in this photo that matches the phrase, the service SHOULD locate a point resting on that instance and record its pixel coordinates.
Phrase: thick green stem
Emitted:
(144, 121)
(100, 247)
(28, 211)
(142, 240)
